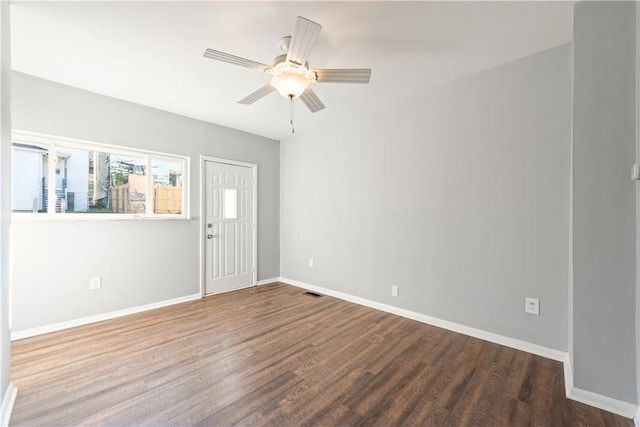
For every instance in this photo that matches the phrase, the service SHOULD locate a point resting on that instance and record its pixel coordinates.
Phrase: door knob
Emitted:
(210, 236)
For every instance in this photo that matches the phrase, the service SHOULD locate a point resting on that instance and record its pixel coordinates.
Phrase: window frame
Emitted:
(53, 142)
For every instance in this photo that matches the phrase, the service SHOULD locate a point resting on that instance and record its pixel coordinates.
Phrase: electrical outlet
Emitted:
(310, 262)
(394, 291)
(532, 306)
(95, 283)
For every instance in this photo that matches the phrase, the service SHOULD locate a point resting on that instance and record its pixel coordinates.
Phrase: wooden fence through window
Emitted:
(167, 199)
(125, 199)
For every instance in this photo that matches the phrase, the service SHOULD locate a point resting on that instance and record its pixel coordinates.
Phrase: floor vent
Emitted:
(312, 294)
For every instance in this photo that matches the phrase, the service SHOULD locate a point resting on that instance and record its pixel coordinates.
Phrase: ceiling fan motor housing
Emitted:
(284, 43)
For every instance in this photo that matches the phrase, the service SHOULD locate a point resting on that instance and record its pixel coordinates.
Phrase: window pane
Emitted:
(98, 182)
(167, 186)
(127, 188)
(230, 203)
(28, 177)
(72, 179)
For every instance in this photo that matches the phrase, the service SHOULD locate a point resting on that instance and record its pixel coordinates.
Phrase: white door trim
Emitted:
(254, 170)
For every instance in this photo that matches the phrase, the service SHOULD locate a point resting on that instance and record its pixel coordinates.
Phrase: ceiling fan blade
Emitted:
(304, 36)
(354, 75)
(257, 95)
(236, 60)
(311, 100)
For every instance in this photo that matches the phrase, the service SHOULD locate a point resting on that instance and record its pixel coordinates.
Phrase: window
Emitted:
(230, 203)
(167, 186)
(58, 176)
(29, 174)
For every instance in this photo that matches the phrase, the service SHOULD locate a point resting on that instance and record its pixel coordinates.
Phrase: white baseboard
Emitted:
(7, 404)
(26, 333)
(568, 375)
(267, 281)
(600, 401)
(434, 321)
(593, 399)
(606, 403)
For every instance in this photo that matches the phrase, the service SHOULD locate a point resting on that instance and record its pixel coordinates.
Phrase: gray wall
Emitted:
(141, 262)
(604, 199)
(460, 196)
(5, 196)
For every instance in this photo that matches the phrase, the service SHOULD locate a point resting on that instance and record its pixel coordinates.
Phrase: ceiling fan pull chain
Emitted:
(291, 115)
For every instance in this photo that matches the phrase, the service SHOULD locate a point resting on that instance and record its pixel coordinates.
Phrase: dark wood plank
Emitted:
(272, 356)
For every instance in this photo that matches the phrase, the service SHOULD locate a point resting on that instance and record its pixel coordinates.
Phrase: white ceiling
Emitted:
(151, 52)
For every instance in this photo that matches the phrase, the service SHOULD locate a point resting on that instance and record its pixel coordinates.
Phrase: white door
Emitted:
(229, 226)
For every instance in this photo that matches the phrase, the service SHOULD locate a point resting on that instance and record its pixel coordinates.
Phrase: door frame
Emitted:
(202, 226)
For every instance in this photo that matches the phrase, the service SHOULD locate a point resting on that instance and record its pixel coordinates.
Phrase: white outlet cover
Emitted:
(394, 291)
(532, 306)
(95, 283)
(310, 262)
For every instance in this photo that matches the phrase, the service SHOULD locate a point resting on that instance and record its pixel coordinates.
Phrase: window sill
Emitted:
(39, 217)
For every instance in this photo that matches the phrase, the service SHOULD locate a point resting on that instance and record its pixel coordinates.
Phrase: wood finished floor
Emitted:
(273, 356)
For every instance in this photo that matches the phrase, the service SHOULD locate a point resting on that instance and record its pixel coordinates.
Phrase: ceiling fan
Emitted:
(291, 75)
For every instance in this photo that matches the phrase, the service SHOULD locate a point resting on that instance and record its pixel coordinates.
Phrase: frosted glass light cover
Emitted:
(290, 84)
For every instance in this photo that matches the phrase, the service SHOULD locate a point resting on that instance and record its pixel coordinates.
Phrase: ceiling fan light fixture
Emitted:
(290, 84)
(291, 79)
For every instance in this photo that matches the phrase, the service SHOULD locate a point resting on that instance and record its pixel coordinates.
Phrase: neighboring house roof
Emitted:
(31, 147)
(37, 148)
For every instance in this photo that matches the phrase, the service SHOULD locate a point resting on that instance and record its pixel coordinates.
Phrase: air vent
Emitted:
(312, 294)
